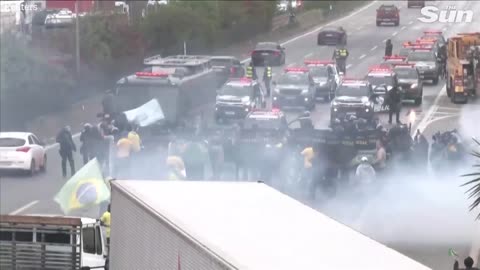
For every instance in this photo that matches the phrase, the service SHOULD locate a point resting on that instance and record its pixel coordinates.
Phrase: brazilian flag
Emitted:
(85, 189)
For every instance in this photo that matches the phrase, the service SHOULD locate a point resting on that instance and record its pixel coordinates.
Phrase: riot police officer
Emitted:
(267, 76)
(340, 55)
(251, 72)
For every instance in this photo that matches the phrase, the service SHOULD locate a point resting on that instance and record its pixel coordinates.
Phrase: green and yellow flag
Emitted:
(452, 253)
(85, 189)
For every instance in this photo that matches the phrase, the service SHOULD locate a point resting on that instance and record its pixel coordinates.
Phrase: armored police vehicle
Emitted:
(238, 97)
(409, 80)
(382, 79)
(180, 83)
(294, 88)
(325, 77)
(425, 59)
(352, 98)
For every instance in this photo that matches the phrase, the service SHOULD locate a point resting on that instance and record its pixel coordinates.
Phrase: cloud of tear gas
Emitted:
(421, 209)
(469, 116)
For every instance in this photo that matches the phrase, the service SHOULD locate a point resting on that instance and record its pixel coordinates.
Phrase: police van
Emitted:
(180, 83)
(382, 79)
(325, 77)
(294, 88)
(352, 98)
(238, 97)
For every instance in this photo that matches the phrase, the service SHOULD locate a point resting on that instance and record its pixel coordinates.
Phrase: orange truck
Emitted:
(463, 67)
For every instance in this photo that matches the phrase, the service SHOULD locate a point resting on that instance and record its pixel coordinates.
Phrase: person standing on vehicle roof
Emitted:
(340, 55)
(388, 48)
(267, 76)
(67, 147)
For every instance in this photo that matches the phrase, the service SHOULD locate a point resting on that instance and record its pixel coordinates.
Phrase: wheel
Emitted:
(378, 23)
(43, 168)
(435, 81)
(397, 23)
(31, 171)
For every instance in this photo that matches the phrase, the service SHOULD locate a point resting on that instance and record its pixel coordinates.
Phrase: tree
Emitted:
(474, 191)
(30, 85)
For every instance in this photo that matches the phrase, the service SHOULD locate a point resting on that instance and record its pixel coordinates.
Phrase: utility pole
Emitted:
(77, 39)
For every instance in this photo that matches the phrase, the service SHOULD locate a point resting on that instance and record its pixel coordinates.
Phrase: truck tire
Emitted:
(435, 81)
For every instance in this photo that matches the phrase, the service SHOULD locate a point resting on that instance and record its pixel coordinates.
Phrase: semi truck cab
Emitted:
(51, 242)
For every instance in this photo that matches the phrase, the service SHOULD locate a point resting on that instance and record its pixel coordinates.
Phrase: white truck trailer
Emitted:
(51, 242)
(233, 225)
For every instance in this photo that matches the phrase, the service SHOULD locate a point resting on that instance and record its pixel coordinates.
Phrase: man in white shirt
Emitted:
(381, 158)
(365, 172)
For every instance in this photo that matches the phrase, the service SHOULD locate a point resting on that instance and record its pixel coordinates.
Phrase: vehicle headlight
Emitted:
(247, 103)
(334, 103)
(368, 103)
(305, 91)
(276, 90)
(321, 83)
(268, 145)
(414, 85)
(389, 88)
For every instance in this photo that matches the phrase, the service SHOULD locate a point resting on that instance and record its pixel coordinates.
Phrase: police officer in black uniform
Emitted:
(394, 101)
(388, 48)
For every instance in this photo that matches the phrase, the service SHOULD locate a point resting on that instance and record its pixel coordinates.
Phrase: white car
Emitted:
(22, 151)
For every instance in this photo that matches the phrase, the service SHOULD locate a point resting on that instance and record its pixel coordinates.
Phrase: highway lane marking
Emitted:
(427, 118)
(395, 33)
(362, 56)
(359, 28)
(314, 31)
(291, 64)
(385, 40)
(348, 66)
(410, 22)
(23, 208)
(308, 55)
(403, 27)
(374, 48)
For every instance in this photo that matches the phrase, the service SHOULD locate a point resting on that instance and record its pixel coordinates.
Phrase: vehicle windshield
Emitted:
(293, 78)
(11, 142)
(421, 56)
(406, 73)
(262, 124)
(378, 80)
(352, 91)
(404, 52)
(221, 62)
(266, 46)
(236, 90)
(319, 72)
(387, 8)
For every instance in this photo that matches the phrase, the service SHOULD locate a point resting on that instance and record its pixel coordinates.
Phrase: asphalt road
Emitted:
(400, 225)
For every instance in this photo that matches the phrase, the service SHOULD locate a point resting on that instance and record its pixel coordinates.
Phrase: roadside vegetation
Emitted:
(114, 45)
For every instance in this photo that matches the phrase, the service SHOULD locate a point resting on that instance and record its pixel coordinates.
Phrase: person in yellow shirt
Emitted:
(176, 168)
(105, 221)
(308, 154)
(135, 140)
(124, 149)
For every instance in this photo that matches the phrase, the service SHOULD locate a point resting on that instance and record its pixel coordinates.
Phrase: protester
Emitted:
(122, 161)
(87, 140)
(388, 48)
(468, 262)
(106, 221)
(67, 147)
(176, 168)
(195, 160)
(380, 161)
